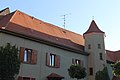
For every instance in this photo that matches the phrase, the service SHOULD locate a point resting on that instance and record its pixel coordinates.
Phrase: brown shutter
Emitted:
(33, 58)
(20, 78)
(57, 61)
(21, 56)
(82, 63)
(79, 62)
(47, 59)
(73, 61)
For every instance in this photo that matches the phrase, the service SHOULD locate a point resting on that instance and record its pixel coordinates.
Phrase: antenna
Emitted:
(64, 19)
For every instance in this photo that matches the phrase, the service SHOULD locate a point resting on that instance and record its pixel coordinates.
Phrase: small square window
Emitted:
(101, 56)
(99, 46)
(89, 46)
(91, 71)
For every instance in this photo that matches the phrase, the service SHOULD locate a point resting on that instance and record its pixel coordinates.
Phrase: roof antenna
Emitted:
(64, 19)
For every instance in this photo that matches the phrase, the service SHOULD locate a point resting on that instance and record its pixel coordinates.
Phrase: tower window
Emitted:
(91, 71)
(89, 46)
(101, 56)
(99, 46)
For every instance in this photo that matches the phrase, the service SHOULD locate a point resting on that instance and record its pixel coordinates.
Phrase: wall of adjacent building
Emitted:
(110, 70)
(40, 70)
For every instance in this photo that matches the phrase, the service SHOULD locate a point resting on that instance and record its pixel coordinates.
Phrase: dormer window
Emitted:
(89, 46)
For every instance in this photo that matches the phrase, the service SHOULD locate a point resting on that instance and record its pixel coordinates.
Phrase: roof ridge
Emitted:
(46, 23)
(61, 28)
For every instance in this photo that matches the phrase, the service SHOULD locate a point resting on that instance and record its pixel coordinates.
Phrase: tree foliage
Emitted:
(77, 71)
(102, 75)
(116, 69)
(9, 62)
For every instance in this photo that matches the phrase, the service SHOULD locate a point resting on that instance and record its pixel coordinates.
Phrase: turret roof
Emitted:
(93, 28)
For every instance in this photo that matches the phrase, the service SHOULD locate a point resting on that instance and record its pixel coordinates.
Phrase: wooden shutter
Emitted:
(82, 63)
(33, 59)
(57, 61)
(73, 61)
(21, 54)
(20, 78)
(47, 59)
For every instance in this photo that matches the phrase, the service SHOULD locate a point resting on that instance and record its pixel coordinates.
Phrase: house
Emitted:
(46, 51)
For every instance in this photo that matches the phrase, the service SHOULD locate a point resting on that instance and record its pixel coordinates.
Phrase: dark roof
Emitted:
(4, 9)
(113, 55)
(24, 24)
(54, 75)
(93, 28)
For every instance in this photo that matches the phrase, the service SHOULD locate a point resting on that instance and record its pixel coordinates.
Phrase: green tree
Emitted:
(116, 69)
(9, 62)
(77, 71)
(102, 75)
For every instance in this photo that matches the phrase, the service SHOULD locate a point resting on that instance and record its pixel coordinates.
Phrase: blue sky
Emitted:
(79, 15)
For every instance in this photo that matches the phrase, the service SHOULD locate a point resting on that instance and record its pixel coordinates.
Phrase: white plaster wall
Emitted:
(40, 70)
(110, 71)
(94, 59)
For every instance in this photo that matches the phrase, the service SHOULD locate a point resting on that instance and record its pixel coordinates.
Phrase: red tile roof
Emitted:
(22, 23)
(93, 28)
(113, 55)
(54, 75)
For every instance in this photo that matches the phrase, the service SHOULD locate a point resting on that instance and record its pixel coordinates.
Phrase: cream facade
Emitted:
(40, 71)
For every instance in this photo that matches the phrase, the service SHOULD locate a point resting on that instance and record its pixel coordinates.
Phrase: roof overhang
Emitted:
(54, 75)
(43, 41)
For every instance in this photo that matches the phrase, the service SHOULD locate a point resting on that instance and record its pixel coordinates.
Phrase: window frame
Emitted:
(99, 46)
(101, 56)
(32, 56)
(90, 71)
(28, 55)
(55, 63)
(89, 46)
(52, 60)
(77, 62)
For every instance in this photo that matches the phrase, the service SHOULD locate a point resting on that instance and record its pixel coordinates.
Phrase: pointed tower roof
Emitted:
(93, 28)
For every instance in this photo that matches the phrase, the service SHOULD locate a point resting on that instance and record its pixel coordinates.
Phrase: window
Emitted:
(89, 46)
(52, 60)
(101, 56)
(99, 46)
(28, 55)
(77, 61)
(91, 71)
(25, 78)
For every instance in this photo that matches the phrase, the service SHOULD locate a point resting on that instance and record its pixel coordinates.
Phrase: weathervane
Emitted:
(92, 17)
